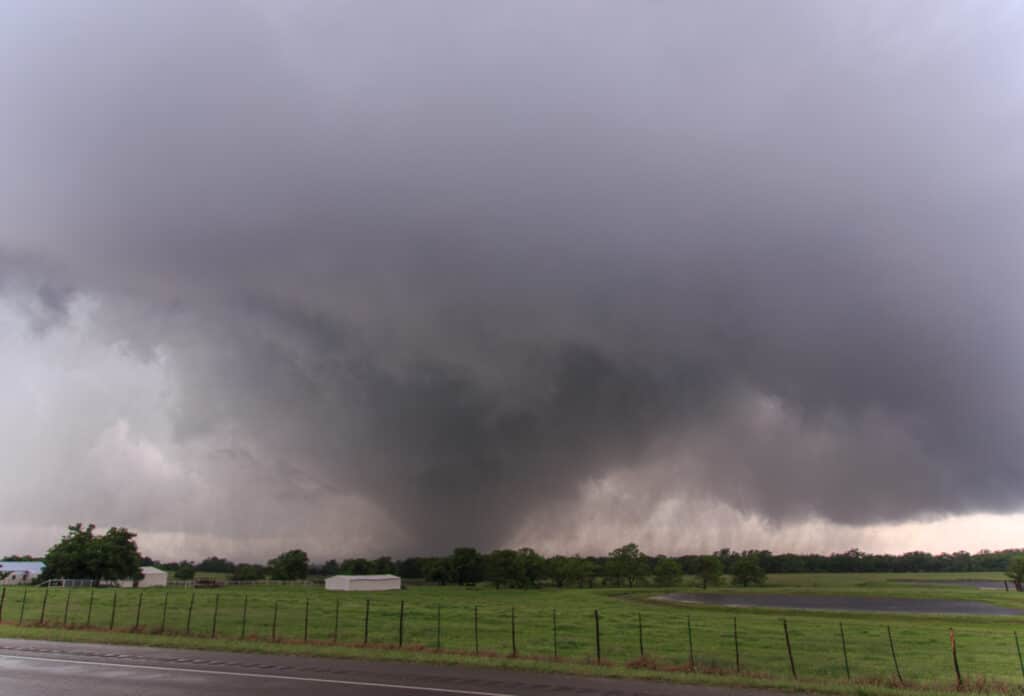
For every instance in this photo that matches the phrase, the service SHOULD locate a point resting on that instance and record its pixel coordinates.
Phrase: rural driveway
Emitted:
(34, 668)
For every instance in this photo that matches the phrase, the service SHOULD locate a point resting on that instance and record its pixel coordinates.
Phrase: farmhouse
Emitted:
(20, 572)
(363, 583)
(151, 577)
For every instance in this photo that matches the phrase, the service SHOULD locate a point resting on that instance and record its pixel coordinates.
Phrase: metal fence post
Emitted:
(113, 611)
(597, 635)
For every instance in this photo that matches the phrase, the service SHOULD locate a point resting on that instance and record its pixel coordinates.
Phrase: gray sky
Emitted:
(388, 277)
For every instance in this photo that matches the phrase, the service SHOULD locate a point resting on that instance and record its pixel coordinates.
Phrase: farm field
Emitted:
(455, 623)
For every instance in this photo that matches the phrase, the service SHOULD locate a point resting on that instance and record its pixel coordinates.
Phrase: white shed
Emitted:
(363, 583)
(19, 572)
(151, 577)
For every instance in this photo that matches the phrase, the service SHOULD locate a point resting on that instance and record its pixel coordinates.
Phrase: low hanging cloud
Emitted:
(432, 274)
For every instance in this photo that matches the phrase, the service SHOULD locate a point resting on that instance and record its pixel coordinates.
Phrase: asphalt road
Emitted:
(34, 668)
(844, 603)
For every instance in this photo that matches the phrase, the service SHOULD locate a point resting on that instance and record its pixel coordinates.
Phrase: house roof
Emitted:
(34, 567)
(368, 577)
(152, 570)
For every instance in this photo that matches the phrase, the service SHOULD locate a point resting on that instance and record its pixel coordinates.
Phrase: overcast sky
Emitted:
(390, 277)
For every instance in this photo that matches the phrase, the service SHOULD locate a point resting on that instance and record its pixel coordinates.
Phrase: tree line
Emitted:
(83, 553)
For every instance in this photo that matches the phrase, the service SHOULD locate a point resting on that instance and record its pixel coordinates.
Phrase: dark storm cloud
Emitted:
(461, 259)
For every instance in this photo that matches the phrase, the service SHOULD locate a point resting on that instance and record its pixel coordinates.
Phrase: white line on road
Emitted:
(282, 677)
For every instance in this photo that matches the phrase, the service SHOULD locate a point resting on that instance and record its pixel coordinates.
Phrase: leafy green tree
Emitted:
(626, 563)
(82, 554)
(186, 570)
(290, 565)
(709, 570)
(248, 572)
(214, 564)
(747, 571)
(355, 566)
(1015, 571)
(559, 570)
(383, 565)
(529, 568)
(439, 571)
(667, 572)
(467, 566)
(329, 568)
(500, 567)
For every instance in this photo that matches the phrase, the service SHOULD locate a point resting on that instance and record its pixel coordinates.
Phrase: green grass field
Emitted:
(481, 617)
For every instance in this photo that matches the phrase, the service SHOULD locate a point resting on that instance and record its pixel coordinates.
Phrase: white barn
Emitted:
(363, 583)
(151, 577)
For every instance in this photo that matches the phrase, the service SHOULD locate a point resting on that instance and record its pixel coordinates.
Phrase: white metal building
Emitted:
(151, 577)
(20, 572)
(363, 583)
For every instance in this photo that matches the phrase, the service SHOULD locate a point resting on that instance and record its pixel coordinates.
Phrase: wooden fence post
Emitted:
(366, 624)
(476, 629)
(736, 641)
(24, 601)
(437, 641)
(305, 623)
(245, 615)
(67, 608)
(597, 635)
(216, 610)
(956, 662)
(640, 631)
(337, 617)
(188, 621)
(1020, 658)
(3, 595)
(273, 626)
(401, 623)
(515, 652)
(163, 613)
(88, 615)
(789, 648)
(689, 641)
(42, 612)
(113, 611)
(554, 630)
(892, 647)
(846, 659)
(138, 612)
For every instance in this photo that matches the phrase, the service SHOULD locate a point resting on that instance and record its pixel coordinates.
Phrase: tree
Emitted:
(500, 567)
(466, 565)
(290, 565)
(709, 570)
(748, 571)
(248, 572)
(213, 564)
(82, 554)
(186, 570)
(626, 563)
(355, 566)
(1015, 571)
(667, 571)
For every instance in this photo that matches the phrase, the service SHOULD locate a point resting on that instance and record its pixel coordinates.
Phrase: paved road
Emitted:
(844, 603)
(34, 668)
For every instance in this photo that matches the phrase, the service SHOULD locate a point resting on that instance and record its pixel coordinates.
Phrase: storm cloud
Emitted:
(452, 265)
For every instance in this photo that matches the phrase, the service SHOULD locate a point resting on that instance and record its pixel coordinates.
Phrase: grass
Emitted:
(478, 616)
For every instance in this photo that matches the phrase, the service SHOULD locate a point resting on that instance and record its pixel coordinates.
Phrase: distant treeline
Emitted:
(626, 565)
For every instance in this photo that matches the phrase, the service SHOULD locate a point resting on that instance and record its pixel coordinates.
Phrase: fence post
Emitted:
(789, 648)
(366, 624)
(892, 647)
(113, 611)
(515, 651)
(67, 608)
(337, 617)
(476, 629)
(736, 641)
(305, 623)
(188, 621)
(956, 663)
(554, 630)
(689, 639)
(273, 626)
(163, 613)
(24, 601)
(437, 643)
(640, 631)
(216, 610)
(401, 623)
(245, 614)
(597, 635)
(1020, 658)
(3, 595)
(138, 612)
(846, 659)
(88, 615)
(42, 612)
